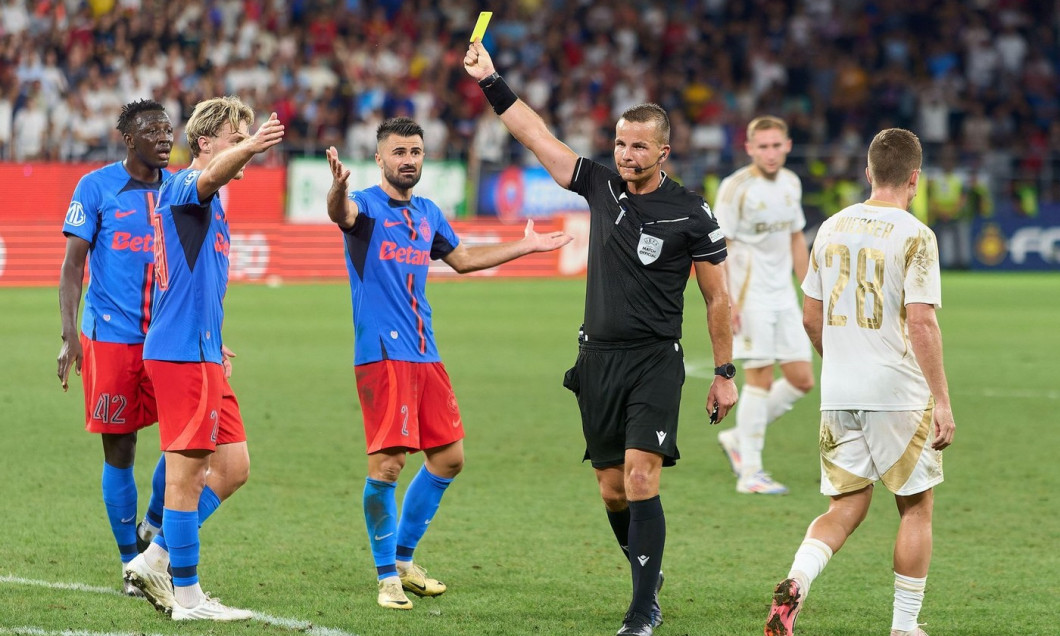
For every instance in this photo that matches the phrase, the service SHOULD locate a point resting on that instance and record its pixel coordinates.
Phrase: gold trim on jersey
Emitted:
(877, 203)
(896, 476)
(919, 258)
(742, 296)
(907, 346)
(732, 189)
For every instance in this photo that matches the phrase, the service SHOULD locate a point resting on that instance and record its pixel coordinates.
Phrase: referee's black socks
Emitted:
(647, 536)
(620, 526)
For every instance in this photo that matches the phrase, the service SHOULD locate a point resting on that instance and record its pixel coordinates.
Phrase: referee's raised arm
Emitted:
(527, 127)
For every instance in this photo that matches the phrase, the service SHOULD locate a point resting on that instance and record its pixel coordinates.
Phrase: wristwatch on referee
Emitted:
(727, 370)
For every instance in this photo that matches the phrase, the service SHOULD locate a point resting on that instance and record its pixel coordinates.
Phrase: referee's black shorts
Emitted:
(629, 396)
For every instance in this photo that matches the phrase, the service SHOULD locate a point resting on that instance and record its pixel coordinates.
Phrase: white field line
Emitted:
(288, 623)
(36, 631)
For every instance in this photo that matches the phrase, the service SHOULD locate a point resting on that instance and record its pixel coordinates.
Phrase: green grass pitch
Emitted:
(521, 538)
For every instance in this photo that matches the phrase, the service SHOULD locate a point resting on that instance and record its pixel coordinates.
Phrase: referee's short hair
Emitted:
(650, 113)
(400, 126)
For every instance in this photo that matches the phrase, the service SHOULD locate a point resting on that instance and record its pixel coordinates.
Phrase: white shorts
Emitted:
(766, 337)
(859, 448)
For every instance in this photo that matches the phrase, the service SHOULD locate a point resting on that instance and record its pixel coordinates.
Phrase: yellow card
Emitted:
(480, 26)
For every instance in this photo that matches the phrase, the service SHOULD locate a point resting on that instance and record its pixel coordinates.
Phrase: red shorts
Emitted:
(197, 409)
(119, 397)
(407, 405)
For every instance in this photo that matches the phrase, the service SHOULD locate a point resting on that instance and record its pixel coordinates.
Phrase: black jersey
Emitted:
(641, 248)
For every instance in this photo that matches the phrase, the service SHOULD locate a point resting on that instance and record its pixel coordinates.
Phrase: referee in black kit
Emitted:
(646, 233)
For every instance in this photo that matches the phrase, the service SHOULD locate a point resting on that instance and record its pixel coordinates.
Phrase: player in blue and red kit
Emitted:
(199, 423)
(406, 397)
(108, 224)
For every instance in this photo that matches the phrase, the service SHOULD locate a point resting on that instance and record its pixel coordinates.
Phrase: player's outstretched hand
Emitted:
(477, 61)
(722, 396)
(945, 427)
(545, 242)
(70, 356)
(269, 134)
(339, 174)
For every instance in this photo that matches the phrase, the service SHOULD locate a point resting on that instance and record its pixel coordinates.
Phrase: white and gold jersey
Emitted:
(867, 263)
(758, 216)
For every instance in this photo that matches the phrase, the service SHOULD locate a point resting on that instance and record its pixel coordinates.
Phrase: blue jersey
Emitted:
(112, 211)
(191, 274)
(388, 251)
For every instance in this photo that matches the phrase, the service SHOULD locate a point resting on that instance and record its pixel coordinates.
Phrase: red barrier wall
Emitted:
(264, 247)
(40, 192)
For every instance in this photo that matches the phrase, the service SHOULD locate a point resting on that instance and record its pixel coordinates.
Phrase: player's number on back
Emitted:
(868, 289)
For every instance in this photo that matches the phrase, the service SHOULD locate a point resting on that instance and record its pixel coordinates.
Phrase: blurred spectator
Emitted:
(31, 128)
(7, 116)
(948, 212)
(489, 146)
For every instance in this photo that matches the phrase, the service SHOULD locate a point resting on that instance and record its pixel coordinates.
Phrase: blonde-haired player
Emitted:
(759, 207)
(199, 422)
(869, 308)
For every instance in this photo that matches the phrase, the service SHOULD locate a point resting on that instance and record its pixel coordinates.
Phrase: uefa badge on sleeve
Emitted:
(649, 248)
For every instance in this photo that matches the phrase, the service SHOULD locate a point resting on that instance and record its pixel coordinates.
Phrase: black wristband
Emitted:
(497, 93)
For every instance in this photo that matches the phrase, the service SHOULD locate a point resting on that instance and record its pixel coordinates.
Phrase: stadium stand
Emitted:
(977, 78)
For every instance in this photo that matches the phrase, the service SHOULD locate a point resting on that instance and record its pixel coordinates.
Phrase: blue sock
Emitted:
(158, 493)
(182, 535)
(380, 517)
(421, 502)
(208, 503)
(119, 496)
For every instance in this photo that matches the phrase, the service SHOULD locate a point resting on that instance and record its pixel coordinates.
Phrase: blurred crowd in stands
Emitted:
(977, 80)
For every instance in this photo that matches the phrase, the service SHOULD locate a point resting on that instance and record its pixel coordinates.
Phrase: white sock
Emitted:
(188, 596)
(751, 429)
(403, 566)
(156, 557)
(146, 530)
(810, 559)
(782, 396)
(908, 598)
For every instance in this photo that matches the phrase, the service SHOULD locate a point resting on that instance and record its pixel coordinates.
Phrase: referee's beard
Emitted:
(403, 180)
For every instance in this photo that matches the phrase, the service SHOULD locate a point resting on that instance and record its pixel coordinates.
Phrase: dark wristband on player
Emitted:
(497, 93)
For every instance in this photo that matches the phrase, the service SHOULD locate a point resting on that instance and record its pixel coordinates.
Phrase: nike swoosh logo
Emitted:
(380, 538)
(122, 214)
(392, 223)
(129, 520)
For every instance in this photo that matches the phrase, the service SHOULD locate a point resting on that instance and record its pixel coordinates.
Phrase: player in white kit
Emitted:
(869, 307)
(759, 208)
